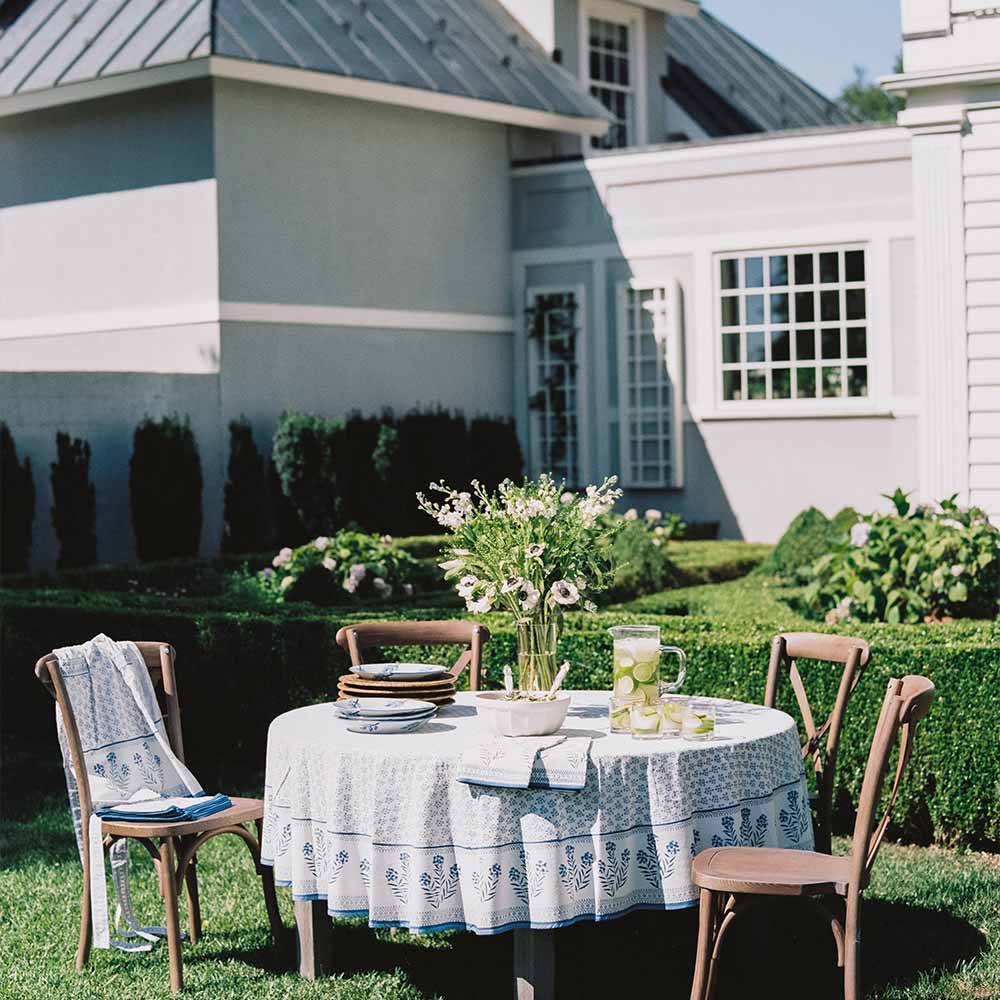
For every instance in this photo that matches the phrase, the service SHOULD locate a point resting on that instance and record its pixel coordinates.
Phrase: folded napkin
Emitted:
(167, 810)
(557, 762)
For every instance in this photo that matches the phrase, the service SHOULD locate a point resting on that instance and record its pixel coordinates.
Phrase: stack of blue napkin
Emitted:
(167, 810)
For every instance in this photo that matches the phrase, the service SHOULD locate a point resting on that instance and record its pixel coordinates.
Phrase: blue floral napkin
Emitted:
(557, 762)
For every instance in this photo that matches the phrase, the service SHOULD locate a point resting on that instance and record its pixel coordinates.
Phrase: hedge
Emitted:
(237, 670)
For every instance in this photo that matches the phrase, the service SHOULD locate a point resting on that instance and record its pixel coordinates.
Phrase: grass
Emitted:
(932, 932)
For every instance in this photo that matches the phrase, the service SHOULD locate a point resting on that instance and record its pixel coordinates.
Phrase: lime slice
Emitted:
(624, 660)
(644, 671)
(708, 726)
(625, 685)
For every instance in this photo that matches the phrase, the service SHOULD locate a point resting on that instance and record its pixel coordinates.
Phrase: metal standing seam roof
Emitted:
(466, 48)
(761, 90)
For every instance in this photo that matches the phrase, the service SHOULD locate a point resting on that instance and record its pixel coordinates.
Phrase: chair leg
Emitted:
(706, 934)
(83, 949)
(726, 914)
(270, 896)
(168, 883)
(852, 949)
(194, 904)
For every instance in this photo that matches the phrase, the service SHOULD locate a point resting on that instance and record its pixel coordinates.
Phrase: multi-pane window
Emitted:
(553, 328)
(648, 396)
(794, 324)
(610, 69)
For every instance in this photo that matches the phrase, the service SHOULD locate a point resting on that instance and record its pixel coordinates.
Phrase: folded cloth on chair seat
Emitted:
(167, 810)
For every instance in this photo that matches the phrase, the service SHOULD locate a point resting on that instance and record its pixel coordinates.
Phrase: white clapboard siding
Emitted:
(981, 169)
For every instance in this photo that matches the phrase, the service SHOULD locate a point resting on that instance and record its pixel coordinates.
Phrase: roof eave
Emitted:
(224, 67)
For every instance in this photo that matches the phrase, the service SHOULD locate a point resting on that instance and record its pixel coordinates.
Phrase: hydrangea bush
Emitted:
(350, 564)
(661, 527)
(919, 563)
(532, 550)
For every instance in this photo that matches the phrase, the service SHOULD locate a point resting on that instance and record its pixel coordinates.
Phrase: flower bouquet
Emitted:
(534, 550)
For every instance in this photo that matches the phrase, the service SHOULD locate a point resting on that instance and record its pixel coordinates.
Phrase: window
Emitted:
(611, 78)
(793, 324)
(553, 327)
(649, 397)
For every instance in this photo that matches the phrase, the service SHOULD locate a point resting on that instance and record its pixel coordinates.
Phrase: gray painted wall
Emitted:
(90, 147)
(104, 408)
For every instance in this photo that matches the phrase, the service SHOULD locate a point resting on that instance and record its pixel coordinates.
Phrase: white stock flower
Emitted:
(321, 543)
(631, 514)
(567, 497)
(653, 514)
(466, 585)
(287, 582)
(589, 606)
(564, 592)
(860, 533)
(451, 564)
(581, 584)
(329, 564)
(284, 556)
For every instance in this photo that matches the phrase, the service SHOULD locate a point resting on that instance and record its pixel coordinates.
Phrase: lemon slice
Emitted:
(625, 685)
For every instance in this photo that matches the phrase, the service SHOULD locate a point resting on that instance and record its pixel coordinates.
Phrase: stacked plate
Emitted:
(423, 681)
(384, 715)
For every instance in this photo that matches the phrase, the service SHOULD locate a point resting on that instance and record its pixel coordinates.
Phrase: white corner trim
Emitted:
(407, 97)
(901, 83)
(301, 79)
(384, 319)
(107, 320)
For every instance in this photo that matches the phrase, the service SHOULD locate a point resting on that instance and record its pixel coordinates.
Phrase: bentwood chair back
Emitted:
(175, 856)
(735, 880)
(788, 651)
(472, 636)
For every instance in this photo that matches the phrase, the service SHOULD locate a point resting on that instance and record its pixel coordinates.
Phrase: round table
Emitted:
(378, 825)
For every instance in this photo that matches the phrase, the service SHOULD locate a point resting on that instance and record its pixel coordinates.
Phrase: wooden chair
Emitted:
(175, 856)
(355, 639)
(788, 649)
(734, 880)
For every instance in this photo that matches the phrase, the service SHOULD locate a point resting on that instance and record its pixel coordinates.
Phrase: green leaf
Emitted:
(958, 592)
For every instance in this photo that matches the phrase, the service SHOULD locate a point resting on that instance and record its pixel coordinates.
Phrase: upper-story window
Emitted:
(793, 324)
(612, 72)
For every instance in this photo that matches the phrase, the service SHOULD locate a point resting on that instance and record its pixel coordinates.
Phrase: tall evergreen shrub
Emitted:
(494, 453)
(165, 489)
(248, 521)
(305, 454)
(17, 506)
(74, 503)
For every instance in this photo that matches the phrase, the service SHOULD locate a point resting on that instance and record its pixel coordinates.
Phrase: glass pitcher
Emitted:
(636, 665)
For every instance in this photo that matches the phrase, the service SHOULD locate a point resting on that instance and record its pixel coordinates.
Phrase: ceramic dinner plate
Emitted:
(399, 671)
(386, 726)
(355, 717)
(381, 708)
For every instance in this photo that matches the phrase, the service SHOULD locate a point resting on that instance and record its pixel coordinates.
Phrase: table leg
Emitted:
(313, 937)
(535, 964)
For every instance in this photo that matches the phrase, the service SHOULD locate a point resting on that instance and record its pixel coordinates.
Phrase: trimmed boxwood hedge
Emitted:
(239, 669)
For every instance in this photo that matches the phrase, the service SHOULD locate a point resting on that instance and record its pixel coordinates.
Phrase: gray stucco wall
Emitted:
(104, 408)
(332, 201)
(90, 147)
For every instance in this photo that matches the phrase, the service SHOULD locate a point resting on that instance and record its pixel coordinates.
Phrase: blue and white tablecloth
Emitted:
(379, 827)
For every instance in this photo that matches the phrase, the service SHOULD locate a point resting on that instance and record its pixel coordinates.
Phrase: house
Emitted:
(659, 250)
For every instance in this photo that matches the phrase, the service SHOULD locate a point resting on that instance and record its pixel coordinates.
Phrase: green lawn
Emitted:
(932, 932)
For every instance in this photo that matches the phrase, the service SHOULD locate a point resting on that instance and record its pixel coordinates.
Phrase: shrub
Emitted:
(74, 508)
(350, 565)
(810, 535)
(640, 558)
(17, 506)
(248, 521)
(165, 489)
(494, 453)
(918, 563)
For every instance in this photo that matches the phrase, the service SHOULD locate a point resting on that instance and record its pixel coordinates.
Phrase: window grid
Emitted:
(610, 73)
(648, 393)
(554, 387)
(794, 324)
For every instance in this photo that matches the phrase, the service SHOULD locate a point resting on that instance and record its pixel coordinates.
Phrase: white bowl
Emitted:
(521, 717)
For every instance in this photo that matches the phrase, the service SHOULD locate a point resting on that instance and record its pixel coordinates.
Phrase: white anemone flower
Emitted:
(466, 584)
(564, 592)
(529, 597)
(484, 604)
(511, 584)
(535, 550)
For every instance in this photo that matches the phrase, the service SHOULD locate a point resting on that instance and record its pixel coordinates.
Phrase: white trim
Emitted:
(354, 316)
(635, 20)
(902, 83)
(301, 79)
(685, 8)
(107, 320)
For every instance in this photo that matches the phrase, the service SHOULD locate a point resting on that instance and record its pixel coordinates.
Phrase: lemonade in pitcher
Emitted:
(635, 671)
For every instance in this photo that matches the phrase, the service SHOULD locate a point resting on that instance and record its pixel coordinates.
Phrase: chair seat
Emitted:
(771, 871)
(241, 811)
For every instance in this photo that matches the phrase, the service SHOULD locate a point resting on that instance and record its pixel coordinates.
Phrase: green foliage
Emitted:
(248, 521)
(349, 565)
(74, 508)
(305, 455)
(640, 560)
(165, 489)
(494, 453)
(810, 535)
(17, 506)
(865, 101)
(915, 564)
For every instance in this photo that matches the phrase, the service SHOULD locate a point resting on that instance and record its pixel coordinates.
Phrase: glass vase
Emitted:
(536, 655)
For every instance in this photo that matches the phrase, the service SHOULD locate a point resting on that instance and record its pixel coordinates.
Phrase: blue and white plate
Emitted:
(384, 727)
(354, 716)
(400, 671)
(381, 708)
